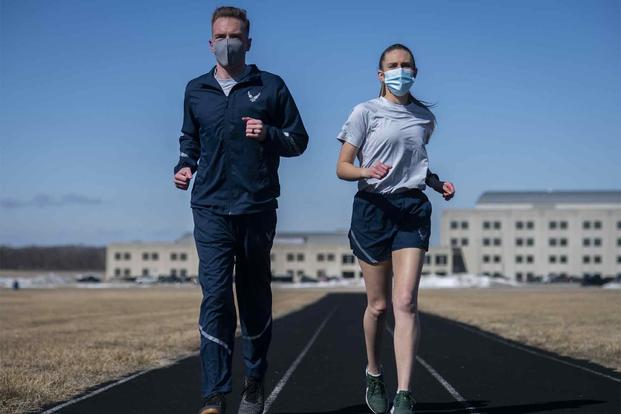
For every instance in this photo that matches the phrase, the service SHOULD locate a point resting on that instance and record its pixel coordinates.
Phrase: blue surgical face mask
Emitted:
(399, 80)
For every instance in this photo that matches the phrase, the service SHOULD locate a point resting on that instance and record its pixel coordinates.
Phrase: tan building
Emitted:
(528, 235)
(152, 259)
(295, 257)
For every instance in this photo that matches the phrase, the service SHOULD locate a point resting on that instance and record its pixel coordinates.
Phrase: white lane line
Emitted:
(270, 400)
(530, 351)
(114, 384)
(454, 393)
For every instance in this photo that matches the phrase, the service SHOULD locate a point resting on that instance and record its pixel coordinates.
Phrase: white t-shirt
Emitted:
(227, 84)
(395, 135)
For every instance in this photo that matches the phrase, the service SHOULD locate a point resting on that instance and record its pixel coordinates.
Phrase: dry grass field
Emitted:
(577, 322)
(58, 342)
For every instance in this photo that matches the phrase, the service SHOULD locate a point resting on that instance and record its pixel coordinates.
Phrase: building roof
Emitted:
(292, 238)
(550, 197)
(311, 238)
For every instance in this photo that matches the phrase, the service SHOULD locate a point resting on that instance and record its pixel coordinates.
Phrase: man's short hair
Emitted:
(237, 13)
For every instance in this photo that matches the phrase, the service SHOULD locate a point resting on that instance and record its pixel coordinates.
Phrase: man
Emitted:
(238, 121)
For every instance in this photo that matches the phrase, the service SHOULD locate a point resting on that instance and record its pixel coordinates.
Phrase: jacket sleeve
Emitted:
(287, 136)
(434, 182)
(189, 141)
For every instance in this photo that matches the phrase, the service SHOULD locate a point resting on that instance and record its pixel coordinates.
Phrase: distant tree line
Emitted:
(53, 258)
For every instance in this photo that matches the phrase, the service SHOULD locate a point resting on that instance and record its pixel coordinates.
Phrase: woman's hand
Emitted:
(378, 171)
(448, 190)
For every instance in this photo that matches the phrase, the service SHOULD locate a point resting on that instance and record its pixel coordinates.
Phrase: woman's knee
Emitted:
(405, 303)
(377, 308)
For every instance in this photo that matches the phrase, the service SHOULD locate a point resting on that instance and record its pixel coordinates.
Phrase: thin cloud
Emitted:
(47, 200)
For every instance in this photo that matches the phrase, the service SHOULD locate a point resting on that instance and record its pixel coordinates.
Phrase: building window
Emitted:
(586, 259)
(290, 257)
(530, 225)
(485, 259)
(597, 225)
(552, 225)
(530, 242)
(454, 225)
(497, 225)
(530, 259)
(552, 242)
(145, 272)
(464, 225)
(173, 272)
(300, 257)
(127, 256)
(586, 225)
(117, 256)
(348, 275)
(290, 273)
(486, 225)
(454, 242)
(563, 242)
(519, 242)
(183, 257)
(173, 256)
(127, 272)
(618, 225)
(618, 259)
(519, 225)
(300, 273)
(563, 259)
(486, 242)
(321, 257)
(597, 259)
(464, 242)
(586, 242)
(348, 259)
(496, 259)
(597, 242)
(441, 259)
(518, 259)
(563, 225)
(330, 257)
(155, 256)
(427, 259)
(145, 256)
(497, 242)
(519, 276)
(552, 259)
(117, 272)
(619, 242)
(183, 272)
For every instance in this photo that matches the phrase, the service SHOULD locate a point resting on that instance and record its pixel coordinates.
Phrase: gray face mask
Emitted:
(229, 52)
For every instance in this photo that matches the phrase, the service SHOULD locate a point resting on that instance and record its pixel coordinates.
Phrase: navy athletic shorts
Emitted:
(383, 223)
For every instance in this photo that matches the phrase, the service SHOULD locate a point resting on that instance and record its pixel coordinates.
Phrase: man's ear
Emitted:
(414, 72)
(380, 75)
(212, 47)
(249, 44)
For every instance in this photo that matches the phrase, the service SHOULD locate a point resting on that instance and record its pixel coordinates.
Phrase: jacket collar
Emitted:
(210, 80)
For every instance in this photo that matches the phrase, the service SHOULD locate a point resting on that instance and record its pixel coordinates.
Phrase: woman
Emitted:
(391, 217)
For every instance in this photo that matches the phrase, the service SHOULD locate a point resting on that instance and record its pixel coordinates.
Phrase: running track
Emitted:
(317, 362)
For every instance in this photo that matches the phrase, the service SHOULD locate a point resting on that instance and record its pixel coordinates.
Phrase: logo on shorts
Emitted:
(252, 97)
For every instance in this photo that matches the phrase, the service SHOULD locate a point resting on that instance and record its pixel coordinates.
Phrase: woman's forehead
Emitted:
(397, 55)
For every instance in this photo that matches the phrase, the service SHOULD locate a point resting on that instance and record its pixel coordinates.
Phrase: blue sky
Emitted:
(528, 97)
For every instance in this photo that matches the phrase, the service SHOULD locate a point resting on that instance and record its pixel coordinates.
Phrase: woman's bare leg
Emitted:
(377, 279)
(407, 267)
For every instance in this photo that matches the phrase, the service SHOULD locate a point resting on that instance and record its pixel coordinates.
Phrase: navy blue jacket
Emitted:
(236, 174)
